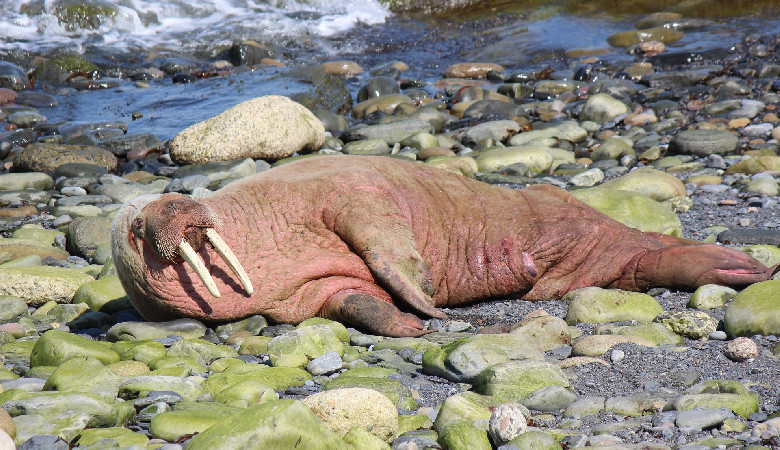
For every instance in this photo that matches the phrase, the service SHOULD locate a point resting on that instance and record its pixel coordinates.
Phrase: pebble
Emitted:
(741, 349)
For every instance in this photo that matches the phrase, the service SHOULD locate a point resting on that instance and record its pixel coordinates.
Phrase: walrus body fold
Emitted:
(346, 237)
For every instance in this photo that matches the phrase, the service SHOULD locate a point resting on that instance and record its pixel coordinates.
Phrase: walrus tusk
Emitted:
(227, 255)
(192, 258)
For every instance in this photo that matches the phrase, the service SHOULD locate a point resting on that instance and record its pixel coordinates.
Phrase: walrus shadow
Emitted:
(191, 283)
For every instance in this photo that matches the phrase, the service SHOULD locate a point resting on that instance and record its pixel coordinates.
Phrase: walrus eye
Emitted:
(139, 227)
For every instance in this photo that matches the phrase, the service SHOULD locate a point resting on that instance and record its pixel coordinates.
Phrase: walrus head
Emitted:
(173, 226)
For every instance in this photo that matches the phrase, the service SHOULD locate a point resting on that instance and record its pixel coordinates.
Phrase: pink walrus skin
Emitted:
(346, 237)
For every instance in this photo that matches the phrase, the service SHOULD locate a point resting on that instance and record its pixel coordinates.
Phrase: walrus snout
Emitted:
(174, 225)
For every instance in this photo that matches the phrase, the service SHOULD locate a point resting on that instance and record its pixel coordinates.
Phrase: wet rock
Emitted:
(471, 70)
(343, 68)
(755, 310)
(385, 103)
(13, 77)
(596, 305)
(367, 147)
(270, 127)
(601, 108)
(43, 157)
(123, 145)
(498, 130)
(628, 38)
(391, 133)
(633, 209)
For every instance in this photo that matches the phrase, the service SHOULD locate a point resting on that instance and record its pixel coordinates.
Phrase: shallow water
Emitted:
(525, 35)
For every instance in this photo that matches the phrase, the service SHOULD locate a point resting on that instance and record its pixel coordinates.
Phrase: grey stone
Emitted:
(704, 142)
(325, 364)
(703, 419)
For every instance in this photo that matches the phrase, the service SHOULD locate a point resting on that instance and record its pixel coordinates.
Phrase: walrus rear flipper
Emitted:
(691, 266)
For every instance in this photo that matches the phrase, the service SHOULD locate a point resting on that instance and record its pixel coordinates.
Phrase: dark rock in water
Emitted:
(328, 92)
(122, 145)
(73, 129)
(181, 78)
(173, 66)
(378, 86)
(493, 107)
(750, 236)
(13, 77)
(247, 53)
(36, 99)
(140, 76)
(675, 59)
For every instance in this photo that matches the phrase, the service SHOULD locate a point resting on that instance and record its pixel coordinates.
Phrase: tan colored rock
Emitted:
(581, 361)
(384, 103)
(270, 127)
(7, 424)
(471, 70)
(739, 123)
(40, 284)
(599, 344)
(47, 157)
(345, 68)
(342, 409)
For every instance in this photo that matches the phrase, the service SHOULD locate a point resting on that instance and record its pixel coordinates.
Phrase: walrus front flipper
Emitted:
(691, 266)
(373, 315)
(376, 229)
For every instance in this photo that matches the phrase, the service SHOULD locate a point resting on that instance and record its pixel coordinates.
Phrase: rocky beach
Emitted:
(663, 117)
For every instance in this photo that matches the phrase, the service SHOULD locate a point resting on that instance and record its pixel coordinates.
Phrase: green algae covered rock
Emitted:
(597, 305)
(55, 347)
(632, 209)
(755, 310)
(279, 424)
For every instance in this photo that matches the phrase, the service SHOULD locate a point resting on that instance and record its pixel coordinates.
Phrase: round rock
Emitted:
(704, 142)
(741, 349)
(342, 409)
(270, 127)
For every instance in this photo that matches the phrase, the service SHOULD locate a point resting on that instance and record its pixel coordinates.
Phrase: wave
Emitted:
(129, 25)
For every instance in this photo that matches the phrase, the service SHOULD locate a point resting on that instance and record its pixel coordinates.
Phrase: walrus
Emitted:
(347, 237)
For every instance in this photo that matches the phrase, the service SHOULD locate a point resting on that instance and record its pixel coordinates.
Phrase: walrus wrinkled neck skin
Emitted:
(351, 238)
